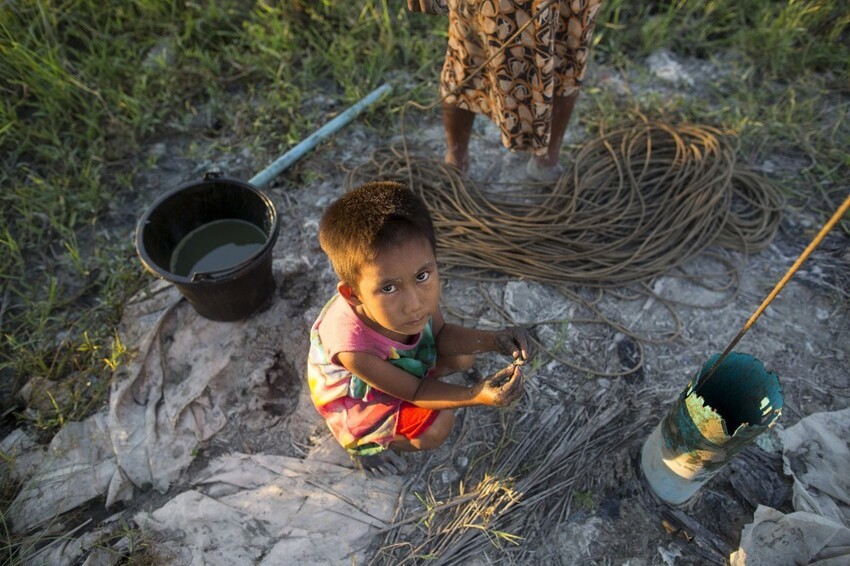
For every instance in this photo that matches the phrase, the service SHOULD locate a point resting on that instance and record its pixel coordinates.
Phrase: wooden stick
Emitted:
(842, 210)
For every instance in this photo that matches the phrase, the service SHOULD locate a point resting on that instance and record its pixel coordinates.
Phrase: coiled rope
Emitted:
(639, 202)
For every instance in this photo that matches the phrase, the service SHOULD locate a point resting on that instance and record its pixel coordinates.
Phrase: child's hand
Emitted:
(501, 388)
(515, 342)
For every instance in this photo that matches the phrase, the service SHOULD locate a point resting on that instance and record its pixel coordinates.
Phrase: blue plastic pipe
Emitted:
(265, 176)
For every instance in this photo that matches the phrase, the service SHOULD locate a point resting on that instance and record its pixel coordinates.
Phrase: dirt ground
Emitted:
(804, 337)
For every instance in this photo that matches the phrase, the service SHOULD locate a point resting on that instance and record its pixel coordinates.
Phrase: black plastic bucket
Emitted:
(228, 294)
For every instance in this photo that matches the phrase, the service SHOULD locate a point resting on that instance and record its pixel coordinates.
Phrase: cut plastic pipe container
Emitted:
(692, 442)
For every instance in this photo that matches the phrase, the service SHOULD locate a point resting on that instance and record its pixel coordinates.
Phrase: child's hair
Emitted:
(371, 218)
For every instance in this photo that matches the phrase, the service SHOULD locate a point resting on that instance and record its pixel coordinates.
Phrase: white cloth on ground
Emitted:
(189, 377)
(816, 452)
(263, 509)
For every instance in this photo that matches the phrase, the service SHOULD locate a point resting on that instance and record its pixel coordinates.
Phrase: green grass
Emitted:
(783, 38)
(783, 88)
(85, 84)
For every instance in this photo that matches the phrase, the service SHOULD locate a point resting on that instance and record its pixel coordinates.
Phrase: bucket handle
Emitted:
(211, 276)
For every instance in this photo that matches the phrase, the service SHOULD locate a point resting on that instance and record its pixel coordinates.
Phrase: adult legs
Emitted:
(562, 110)
(458, 124)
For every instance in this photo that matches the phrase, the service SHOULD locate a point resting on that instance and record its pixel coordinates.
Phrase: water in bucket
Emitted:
(215, 246)
(230, 221)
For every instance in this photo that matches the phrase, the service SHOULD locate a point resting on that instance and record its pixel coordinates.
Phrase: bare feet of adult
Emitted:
(459, 162)
(545, 168)
(387, 463)
(539, 170)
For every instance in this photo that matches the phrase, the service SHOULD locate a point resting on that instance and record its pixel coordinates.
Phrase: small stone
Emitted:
(158, 150)
(161, 55)
(43, 395)
(449, 475)
(664, 66)
(768, 166)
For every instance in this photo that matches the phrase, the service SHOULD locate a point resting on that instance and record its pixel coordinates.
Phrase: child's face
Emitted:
(399, 291)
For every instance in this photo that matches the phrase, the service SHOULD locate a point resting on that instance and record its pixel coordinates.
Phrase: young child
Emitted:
(379, 345)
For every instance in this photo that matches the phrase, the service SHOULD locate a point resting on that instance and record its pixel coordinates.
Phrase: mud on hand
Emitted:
(517, 343)
(503, 387)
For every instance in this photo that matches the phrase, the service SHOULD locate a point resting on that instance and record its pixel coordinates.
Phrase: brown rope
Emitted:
(639, 202)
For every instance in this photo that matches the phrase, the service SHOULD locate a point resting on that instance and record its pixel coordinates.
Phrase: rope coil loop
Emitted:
(639, 203)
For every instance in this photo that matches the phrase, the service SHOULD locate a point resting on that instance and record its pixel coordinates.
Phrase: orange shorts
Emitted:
(413, 420)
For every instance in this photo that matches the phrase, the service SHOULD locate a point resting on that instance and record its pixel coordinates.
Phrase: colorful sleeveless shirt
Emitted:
(363, 419)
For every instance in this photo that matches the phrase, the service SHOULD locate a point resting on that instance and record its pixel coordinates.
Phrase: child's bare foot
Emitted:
(387, 463)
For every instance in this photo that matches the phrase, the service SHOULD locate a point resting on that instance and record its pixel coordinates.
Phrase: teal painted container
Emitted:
(709, 424)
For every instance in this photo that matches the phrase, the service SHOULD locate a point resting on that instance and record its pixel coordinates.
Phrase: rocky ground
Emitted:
(612, 517)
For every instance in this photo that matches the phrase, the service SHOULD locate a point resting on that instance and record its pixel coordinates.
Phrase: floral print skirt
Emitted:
(515, 88)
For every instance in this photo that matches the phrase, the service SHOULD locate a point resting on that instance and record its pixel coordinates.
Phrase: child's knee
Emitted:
(438, 432)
